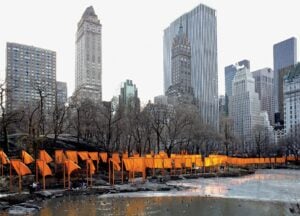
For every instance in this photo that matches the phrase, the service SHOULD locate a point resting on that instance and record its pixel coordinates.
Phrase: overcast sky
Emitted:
(133, 35)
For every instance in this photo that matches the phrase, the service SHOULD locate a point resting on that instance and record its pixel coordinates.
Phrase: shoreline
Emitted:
(26, 202)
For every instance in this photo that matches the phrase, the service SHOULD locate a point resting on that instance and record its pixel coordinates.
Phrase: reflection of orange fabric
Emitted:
(44, 168)
(116, 158)
(94, 156)
(72, 155)
(59, 156)
(20, 167)
(3, 157)
(44, 156)
(27, 159)
(83, 155)
(71, 166)
(168, 163)
(103, 156)
(91, 166)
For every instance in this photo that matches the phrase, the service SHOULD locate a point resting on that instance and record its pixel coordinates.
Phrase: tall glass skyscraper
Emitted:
(284, 55)
(89, 56)
(200, 26)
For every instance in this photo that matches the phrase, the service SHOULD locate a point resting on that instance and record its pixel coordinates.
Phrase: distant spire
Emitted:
(89, 11)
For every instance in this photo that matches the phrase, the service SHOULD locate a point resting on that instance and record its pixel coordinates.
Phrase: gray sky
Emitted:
(133, 35)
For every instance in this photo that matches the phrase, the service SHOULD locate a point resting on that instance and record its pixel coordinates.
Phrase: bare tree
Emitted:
(7, 117)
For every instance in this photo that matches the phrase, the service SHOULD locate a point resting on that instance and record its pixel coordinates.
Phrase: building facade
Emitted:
(291, 89)
(181, 90)
(30, 74)
(61, 92)
(264, 86)
(129, 95)
(88, 76)
(230, 72)
(284, 55)
(244, 108)
(200, 26)
(161, 99)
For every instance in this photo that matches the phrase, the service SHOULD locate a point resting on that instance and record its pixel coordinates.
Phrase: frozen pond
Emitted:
(267, 192)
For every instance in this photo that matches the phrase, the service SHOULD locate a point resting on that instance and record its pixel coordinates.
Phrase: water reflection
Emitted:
(166, 206)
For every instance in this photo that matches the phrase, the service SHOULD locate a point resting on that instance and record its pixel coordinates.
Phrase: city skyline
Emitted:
(232, 45)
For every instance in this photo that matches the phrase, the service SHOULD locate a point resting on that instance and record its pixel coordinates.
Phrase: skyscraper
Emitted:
(244, 108)
(129, 95)
(61, 92)
(264, 87)
(30, 74)
(230, 72)
(291, 89)
(181, 90)
(200, 26)
(284, 55)
(88, 80)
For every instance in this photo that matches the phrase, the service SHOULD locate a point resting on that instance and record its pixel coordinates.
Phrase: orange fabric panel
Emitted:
(272, 160)
(168, 163)
(178, 163)
(84, 155)
(158, 163)
(20, 167)
(199, 162)
(136, 155)
(71, 166)
(125, 155)
(138, 164)
(59, 156)
(148, 156)
(116, 158)
(44, 156)
(72, 155)
(194, 157)
(162, 154)
(261, 160)
(188, 162)
(208, 162)
(4, 158)
(280, 160)
(149, 163)
(103, 156)
(94, 156)
(116, 165)
(27, 159)
(128, 164)
(43, 168)
(173, 155)
(91, 165)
